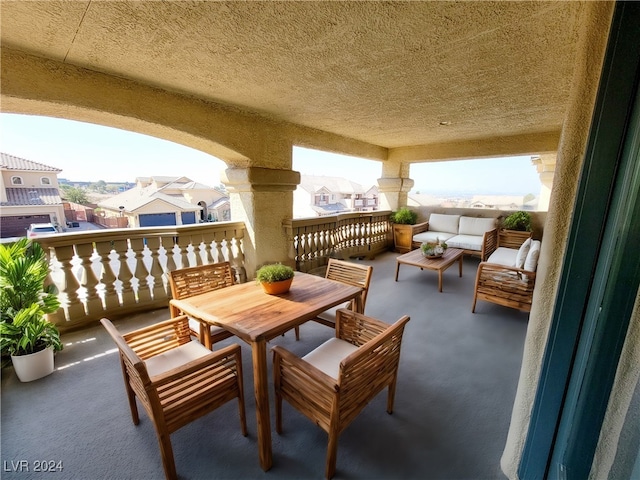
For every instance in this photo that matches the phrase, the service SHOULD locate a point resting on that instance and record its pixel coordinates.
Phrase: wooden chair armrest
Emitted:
(228, 356)
(419, 228)
(305, 369)
(494, 267)
(489, 243)
(357, 328)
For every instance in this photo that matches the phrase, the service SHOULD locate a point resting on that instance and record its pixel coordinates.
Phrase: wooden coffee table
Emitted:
(416, 259)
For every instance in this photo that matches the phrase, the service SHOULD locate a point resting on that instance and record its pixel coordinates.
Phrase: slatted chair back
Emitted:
(175, 379)
(368, 363)
(187, 282)
(351, 274)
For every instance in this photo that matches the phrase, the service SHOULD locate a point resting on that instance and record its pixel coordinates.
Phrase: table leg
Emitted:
(460, 266)
(440, 280)
(261, 389)
(397, 269)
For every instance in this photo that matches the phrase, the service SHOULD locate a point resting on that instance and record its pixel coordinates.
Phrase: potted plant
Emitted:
(275, 278)
(402, 220)
(25, 334)
(516, 228)
(519, 221)
(433, 250)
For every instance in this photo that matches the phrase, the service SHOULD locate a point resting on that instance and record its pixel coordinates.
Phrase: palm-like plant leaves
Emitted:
(29, 332)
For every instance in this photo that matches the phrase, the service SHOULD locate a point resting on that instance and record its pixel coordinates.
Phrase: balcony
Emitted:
(457, 380)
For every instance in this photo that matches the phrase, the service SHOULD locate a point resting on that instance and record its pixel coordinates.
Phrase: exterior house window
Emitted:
(321, 199)
(45, 181)
(16, 180)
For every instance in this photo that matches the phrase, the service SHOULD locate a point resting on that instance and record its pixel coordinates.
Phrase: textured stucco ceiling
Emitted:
(386, 73)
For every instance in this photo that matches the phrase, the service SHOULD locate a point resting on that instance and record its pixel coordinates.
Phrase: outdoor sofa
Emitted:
(475, 235)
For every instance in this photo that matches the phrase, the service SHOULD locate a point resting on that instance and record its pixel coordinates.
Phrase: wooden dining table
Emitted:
(256, 317)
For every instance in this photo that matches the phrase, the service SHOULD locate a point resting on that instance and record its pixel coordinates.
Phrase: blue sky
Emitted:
(78, 148)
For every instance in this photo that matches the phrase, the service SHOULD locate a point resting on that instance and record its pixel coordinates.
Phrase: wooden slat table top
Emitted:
(415, 258)
(249, 313)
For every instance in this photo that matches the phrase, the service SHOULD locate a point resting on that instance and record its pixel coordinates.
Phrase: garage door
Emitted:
(157, 219)
(16, 226)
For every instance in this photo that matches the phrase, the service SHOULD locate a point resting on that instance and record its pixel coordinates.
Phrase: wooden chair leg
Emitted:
(391, 396)
(131, 396)
(166, 451)
(332, 453)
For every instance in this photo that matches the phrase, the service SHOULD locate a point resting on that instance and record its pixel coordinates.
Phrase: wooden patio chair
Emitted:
(351, 274)
(333, 383)
(176, 379)
(187, 282)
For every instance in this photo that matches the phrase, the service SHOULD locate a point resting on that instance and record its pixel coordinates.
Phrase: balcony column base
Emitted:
(262, 198)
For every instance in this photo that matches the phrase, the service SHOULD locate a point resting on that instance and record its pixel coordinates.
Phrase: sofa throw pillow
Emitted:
(439, 222)
(531, 262)
(522, 253)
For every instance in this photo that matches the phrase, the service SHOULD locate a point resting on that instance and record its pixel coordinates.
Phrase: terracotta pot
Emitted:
(33, 366)
(277, 288)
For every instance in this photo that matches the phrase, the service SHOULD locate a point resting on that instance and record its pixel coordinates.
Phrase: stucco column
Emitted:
(595, 24)
(546, 167)
(262, 198)
(394, 185)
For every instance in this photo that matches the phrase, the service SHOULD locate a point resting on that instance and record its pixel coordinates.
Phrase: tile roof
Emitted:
(9, 162)
(32, 196)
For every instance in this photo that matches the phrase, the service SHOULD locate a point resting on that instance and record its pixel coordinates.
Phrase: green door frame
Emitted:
(600, 275)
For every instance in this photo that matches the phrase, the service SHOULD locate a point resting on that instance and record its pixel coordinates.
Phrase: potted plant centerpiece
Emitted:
(275, 278)
(25, 334)
(402, 220)
(433, 250)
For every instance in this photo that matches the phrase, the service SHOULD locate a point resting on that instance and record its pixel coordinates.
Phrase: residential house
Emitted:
(319, 195)
(160, 200)
(28, 194)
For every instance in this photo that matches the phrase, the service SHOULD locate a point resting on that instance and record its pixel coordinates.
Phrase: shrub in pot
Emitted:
(402, 221)
(519, 221)
(275, 278)
(24, 302)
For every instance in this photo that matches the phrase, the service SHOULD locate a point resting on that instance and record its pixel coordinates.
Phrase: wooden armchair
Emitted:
(176, 379)
(508, 276)
(351, 274)
(187, 282)
(333, 383)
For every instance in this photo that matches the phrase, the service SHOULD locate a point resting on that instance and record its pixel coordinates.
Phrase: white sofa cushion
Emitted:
(175, 358)
(476, 226)
(327, 357)
(433, 237)
(522, 253)
(444, 223)
(504, 256)
(466, 242)
(531, 262)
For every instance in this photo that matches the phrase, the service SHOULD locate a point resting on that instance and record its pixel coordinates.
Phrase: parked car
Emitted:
(38, 229)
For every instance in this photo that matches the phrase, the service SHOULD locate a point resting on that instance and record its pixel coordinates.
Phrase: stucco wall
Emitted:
(596, 18)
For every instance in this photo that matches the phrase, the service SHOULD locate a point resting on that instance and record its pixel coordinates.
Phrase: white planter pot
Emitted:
(33, 366)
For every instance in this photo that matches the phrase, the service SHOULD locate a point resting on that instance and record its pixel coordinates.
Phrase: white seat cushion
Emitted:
(432, 237)
(466, 242)
(175, 358)
(444, 223)
(331, 313)
(195, 326)
(504, 256)
(476, 226)
(327, 357)
(522, 253)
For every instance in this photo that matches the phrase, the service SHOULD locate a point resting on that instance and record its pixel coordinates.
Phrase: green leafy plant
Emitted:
(275, 272)
(25, 300)
(520, 221)
(404, 216)
(29, 333)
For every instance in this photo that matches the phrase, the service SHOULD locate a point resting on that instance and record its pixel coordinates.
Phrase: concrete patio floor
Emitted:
(456, 386)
